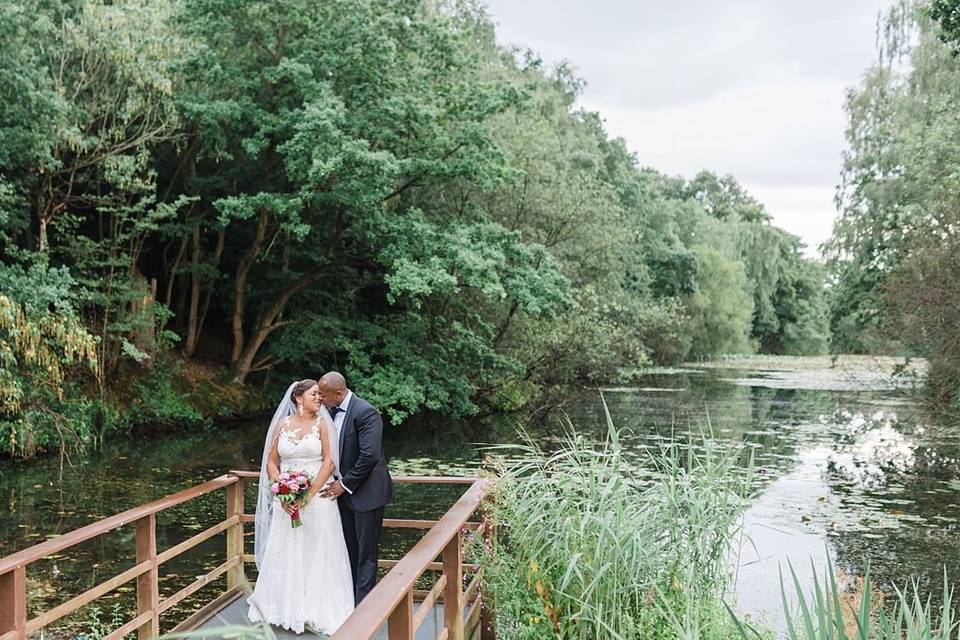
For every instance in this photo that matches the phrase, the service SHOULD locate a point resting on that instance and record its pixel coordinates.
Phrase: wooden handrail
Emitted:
(58, 544)
(87, 596)
(396, 588)
(392, 599)
(429, 600)
(15, 625)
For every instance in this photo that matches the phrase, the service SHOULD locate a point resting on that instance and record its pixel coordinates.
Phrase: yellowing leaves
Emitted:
(38, 346)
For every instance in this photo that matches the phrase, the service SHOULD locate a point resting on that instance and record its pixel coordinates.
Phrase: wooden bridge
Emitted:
(453, 608)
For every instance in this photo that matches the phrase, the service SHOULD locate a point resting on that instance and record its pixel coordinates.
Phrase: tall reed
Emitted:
(592, 546)
(823, 612)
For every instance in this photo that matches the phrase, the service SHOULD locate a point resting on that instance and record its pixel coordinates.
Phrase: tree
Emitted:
(41, 341)
(947, 13)
(891, 256)
(327, 123)
(720, 310)
(375, 186)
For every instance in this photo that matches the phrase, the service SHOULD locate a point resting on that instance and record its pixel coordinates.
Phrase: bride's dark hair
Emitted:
(301, 388)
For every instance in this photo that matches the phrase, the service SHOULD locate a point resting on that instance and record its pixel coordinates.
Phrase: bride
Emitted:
(304, 573)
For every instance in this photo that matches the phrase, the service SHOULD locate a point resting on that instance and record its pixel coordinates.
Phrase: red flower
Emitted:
(284, 489)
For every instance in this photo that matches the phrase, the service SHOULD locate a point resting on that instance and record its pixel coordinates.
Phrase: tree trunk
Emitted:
(268, 322)
(502, 330)
(214, 264)
(240, 289)
(144, 335)
(180, 313)
(168, 299)
(190, 347)
(43, 235)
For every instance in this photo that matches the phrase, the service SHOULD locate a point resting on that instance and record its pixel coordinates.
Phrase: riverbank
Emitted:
(865, 473)
(175, 394)
(182, 393)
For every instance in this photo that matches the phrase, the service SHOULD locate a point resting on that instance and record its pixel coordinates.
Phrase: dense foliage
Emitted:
(947, 14)
(894, 257)
(371, 185)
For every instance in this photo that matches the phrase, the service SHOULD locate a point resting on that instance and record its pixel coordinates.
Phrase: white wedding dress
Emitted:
(305, 572)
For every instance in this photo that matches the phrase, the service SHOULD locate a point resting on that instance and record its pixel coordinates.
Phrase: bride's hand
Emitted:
(286, 506)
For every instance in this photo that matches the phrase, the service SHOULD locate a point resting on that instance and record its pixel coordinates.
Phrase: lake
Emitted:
(845, 464)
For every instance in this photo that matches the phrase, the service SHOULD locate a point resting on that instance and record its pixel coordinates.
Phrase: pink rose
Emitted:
(284, 476)
(294, 487)
(275, 488)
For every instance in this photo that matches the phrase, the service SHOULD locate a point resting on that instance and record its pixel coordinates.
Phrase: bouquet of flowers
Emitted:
(292, 488)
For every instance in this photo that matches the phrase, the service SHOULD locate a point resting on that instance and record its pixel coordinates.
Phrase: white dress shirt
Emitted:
(337, 426)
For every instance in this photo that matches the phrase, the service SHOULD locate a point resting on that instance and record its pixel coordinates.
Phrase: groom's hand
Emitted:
(335, 490)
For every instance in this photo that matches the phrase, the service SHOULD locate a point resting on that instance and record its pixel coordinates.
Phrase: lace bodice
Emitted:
(300, 453)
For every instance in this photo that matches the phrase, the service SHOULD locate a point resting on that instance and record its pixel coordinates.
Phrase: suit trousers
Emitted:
(361, 531)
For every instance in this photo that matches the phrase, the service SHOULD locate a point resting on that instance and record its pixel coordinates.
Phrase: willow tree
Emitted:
(894, 245)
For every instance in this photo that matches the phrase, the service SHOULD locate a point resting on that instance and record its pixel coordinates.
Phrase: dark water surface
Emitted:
(844, 464)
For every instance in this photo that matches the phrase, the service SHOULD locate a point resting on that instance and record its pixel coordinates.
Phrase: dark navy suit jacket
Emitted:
(363, 468)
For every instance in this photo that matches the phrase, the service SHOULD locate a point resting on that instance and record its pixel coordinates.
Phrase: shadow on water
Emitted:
(853, 469)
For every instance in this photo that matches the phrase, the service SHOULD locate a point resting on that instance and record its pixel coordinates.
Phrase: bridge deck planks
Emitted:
(235, 613)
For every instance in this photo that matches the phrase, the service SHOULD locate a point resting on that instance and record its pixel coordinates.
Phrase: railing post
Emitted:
(400, 623)
(235, 576)
(453, 594)
(488, 630)
(13, 603)
(148, 584)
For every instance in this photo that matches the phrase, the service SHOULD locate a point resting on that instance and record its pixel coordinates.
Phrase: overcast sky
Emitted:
(754, 88)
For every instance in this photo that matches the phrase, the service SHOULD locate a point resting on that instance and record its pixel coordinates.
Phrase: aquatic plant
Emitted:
(826, 612)
(591, 546)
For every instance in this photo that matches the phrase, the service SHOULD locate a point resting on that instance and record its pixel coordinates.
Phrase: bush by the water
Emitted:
(590, 545)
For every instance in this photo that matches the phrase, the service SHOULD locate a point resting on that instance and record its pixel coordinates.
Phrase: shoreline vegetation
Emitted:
(431, 213)
(590, 546)
(607, 549)
(375, 187)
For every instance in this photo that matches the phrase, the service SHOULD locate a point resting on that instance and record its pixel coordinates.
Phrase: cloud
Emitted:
(789, 131)
(754, 88)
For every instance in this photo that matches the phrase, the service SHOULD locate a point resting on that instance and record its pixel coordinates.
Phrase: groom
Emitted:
(363, 484)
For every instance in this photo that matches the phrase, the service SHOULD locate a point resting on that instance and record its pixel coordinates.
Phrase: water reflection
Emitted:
(843, 464)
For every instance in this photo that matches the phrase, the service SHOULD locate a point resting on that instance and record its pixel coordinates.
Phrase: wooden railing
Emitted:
(14, 624)
(392, 600)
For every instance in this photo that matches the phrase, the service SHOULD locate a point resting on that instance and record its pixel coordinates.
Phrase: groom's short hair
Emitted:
(333, 380)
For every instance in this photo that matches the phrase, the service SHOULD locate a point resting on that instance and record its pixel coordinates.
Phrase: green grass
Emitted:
(591, 546)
